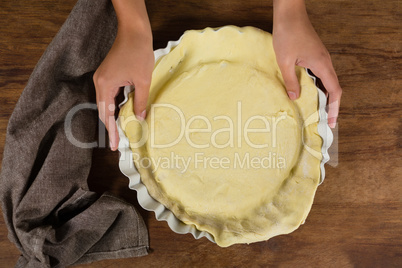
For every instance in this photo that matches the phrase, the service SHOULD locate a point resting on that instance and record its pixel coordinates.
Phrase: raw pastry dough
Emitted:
(223, 147)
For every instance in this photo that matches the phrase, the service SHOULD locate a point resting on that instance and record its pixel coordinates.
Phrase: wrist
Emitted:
(135, 29)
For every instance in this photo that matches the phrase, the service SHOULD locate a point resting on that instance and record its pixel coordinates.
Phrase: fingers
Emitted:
(330, 81)
(106, 108)
(290, 79)
(141, 98)
(111, 126)
(333, 111)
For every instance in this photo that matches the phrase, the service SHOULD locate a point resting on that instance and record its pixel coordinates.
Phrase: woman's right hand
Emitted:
(296, 43)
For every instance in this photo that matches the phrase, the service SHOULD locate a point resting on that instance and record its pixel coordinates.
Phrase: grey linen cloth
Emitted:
(52, 217)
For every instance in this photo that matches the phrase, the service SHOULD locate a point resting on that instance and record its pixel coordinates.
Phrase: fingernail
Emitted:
(142, 115)
(332, 125)
(292, 95)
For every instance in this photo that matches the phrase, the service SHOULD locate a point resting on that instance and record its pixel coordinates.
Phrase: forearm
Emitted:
(132, 16)
(289, 10)
(283, 5)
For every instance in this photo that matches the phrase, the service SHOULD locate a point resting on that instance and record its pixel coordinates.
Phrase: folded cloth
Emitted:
(52, 217)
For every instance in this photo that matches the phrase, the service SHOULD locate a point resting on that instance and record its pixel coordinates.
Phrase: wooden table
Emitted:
(356, 219)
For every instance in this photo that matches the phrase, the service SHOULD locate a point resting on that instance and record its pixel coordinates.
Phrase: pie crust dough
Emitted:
(223, 147)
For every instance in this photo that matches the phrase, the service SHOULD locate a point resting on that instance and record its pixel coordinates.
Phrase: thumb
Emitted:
(141, 93)
(291, 81)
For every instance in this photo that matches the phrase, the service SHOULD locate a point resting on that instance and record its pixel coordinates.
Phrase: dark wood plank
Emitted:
(356, 217)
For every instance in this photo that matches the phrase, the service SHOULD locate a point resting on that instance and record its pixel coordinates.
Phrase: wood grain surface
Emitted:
(356, 219)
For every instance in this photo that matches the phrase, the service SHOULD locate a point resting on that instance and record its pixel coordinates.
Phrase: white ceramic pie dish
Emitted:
(127, 167)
